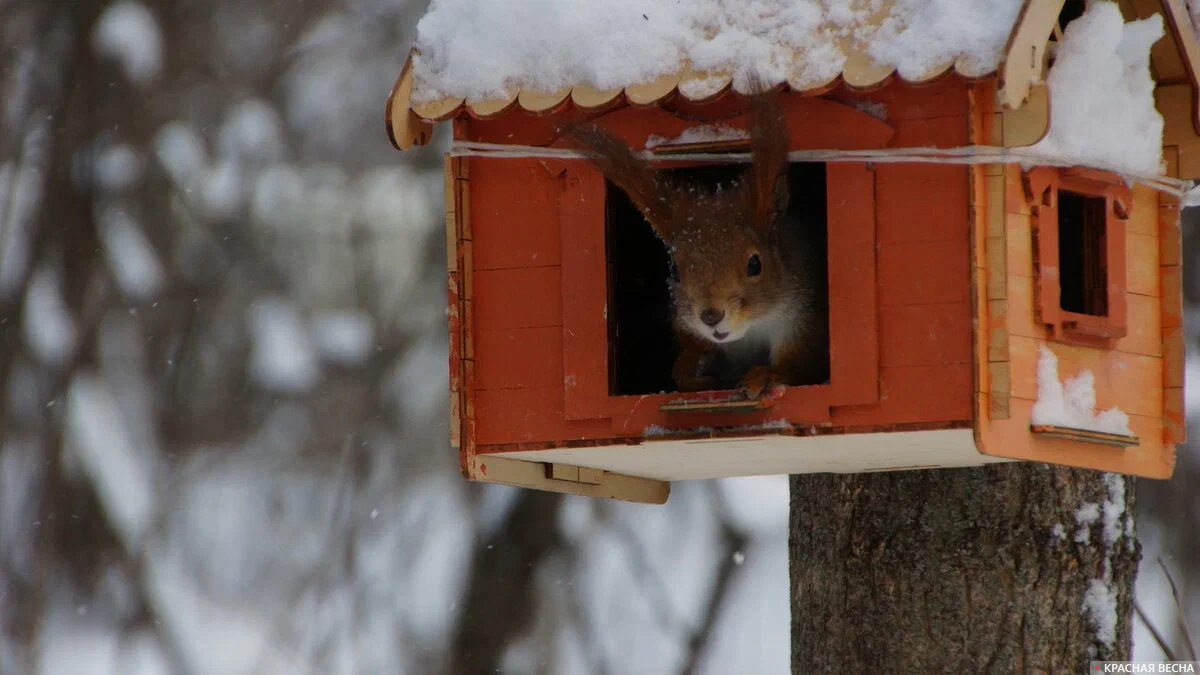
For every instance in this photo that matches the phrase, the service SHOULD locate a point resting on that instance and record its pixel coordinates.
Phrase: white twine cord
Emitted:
(971, 154)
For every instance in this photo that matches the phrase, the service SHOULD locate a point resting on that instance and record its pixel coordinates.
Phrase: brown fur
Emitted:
(711, 238)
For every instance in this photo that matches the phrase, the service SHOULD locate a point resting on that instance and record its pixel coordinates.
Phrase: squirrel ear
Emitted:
(650, 192)
(768, 149)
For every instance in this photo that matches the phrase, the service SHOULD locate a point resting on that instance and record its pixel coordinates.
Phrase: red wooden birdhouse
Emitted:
(997, 287)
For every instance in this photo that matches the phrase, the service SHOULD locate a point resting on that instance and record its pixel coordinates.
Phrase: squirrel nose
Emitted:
(711, 317)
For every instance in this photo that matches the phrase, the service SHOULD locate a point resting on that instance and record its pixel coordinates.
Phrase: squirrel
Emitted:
(744, 277)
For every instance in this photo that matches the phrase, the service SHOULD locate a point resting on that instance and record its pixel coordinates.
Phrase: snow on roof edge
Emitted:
(539, 48)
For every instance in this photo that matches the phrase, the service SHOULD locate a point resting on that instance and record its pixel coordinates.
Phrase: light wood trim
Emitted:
(462, 294)
(590, 99)
(577, 474)
(456, 247)
(543, 103)
(562, 472)
(812, 86)
(404, 127)
(982, 350)
(1000, 384)
(609, 485)
(997, 272)
(761, 453)
(997, 330)
(861, 71)
(1029, 123)
(1024, 56)
(1179, 22)
(590, 475)
(700, 87)
(652, 92)
(491, 108)
(436, 111)
(989, 265)
(994, 184)
(1171, 306)
(450, 197)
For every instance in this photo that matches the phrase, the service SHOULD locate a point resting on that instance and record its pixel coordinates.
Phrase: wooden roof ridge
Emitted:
(1182, 33)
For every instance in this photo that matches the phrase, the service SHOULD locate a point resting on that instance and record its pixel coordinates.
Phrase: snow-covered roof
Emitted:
(492, 56)
(487, 58)
(483, 50)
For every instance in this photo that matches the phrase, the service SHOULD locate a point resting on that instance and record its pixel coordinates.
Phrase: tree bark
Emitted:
(500, 598)
(1001, 569)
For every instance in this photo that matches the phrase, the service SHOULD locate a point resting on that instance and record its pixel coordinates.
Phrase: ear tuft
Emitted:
(768, 193)
(650, 192)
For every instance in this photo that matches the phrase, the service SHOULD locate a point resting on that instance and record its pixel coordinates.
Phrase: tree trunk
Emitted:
(1007, 568)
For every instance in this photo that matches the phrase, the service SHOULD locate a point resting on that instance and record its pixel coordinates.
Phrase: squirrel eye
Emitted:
(753, 266)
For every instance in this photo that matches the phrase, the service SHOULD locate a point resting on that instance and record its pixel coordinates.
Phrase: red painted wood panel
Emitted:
(924, 273)
(510, 232)
(915, 394)
(925, 335)
(633, 415)
(813, 123)
(937, 132)
(899, 281)
(921, 203)
(517, 298)
(529, 415)
(853, 319)
(584, 295)
(943, 98)
(518, 358)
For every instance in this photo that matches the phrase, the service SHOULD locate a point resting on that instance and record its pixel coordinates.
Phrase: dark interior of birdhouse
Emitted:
(642, 341)
(1071, 10)
(1082, 254)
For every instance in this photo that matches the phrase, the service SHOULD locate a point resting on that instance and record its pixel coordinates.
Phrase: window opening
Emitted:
(642, 341)
(1082, 254)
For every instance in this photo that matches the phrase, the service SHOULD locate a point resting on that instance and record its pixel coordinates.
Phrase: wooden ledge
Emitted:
(1085, 435)
(568, 479)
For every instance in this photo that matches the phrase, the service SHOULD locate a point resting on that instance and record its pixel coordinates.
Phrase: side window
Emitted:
(1079, 226)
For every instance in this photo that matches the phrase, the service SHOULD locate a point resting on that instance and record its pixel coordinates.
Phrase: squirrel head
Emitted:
(727, 271)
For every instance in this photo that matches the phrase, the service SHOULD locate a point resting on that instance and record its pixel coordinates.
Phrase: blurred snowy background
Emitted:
(224, 440)
(222, 374)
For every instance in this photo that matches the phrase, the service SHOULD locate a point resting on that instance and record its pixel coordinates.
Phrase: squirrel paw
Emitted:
(761, 379)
